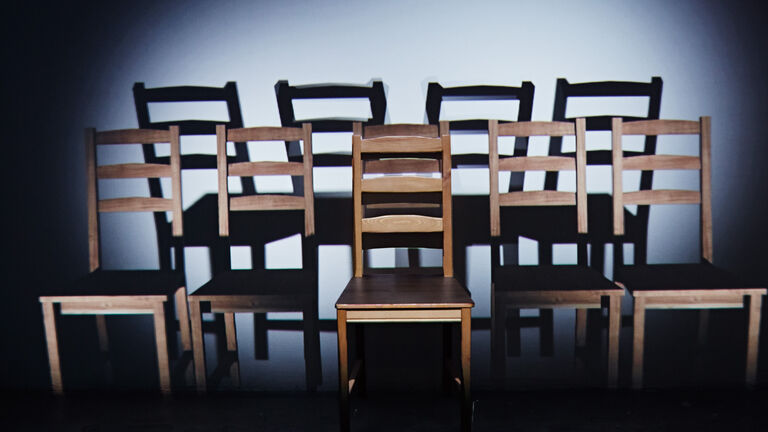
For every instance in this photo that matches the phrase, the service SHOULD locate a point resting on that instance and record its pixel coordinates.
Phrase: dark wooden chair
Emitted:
(397, 210)
(263, 290)
(545, 286)
(677, 286)
(104, 292)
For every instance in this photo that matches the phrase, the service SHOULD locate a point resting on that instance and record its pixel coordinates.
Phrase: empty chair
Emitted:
(544, 285)
(263, 290)
(102, 292)
(393, 209)
(677, 286)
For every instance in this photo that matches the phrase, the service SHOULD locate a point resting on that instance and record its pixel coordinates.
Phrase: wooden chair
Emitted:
(546, 286)
(263, 290)
(677, 286)
(104, 292)
(393, 210)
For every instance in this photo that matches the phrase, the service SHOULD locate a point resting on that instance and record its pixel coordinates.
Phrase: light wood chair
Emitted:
(677, 286)
(397, 210)
(103, 292)
(263, 290)
(546, 286)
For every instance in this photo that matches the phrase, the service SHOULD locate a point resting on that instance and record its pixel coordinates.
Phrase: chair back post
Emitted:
(94, 249)
(445, 140)
(222, 170)
(357, 204)
(705, 144)
(309, 196)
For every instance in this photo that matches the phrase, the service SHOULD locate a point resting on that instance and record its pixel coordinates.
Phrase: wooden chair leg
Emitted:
(231, 333)
(581, 328)
(161, 341)
(182, 311)
(361, 383)
(198, 347)
(638, 340)
(101, 328)
(49, 321)
(752, 304)
(466, 352)
(614, 326)
(341, 322)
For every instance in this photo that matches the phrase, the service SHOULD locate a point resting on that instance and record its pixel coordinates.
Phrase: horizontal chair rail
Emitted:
(397, 166)
(266, 202)
(537, 198)
(662, 196)
(265, 133)
(407, 315)
(402, 223)
(535, 128)
(403, 184)
(537, 163)
(134, 170)
(401, 145)
(135, 205)
(661, 162)
(247, 169)
(661, 127)
(133, 136)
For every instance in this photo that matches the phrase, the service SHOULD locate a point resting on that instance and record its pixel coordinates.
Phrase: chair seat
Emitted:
(392, 291)
(553, 278)
(677, 277)
(122, 283)
(282, 282)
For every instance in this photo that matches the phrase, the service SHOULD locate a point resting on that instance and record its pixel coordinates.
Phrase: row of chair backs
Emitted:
(621, 160)
(401, 186)
(155, 204)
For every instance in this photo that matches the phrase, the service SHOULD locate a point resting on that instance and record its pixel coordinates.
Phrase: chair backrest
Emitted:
(702, 163)
(303, 202)
(93, 139)
(395, 201)
(286, 94)
(565, 90)
(537, 163)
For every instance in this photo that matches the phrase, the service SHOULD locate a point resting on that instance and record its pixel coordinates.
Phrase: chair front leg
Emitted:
(752, 304)
(638, 340)
(161, 341)
(198, 347)
(49, 321)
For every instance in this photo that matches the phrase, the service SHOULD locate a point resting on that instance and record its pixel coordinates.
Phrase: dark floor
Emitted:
(576, 410)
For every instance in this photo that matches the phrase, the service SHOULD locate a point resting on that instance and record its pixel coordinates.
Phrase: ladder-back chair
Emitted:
(263, 290)
(121, 292)
(677, 286)
(392, 209)
(545, 286)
